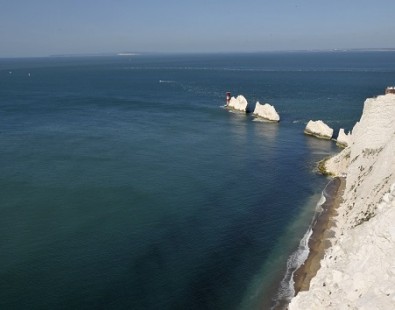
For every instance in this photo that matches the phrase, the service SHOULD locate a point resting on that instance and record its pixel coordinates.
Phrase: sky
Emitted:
(47, 27)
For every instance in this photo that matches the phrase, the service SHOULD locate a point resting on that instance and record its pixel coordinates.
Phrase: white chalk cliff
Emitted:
(343, 139)
(267, 112)
(318, 129)
(240, 103)
(358, 270)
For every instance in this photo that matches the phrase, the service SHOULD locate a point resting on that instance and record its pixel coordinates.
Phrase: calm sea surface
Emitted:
(124, 183)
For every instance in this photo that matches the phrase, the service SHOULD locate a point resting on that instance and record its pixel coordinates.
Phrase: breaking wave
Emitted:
(286, 289)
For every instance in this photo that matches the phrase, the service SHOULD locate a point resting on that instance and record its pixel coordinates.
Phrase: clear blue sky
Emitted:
(45, 27)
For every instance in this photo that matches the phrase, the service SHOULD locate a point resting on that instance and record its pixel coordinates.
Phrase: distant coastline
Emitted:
(334, 50)
(95, 54)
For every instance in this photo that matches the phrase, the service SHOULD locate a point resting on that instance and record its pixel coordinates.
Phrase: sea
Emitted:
(126, 184)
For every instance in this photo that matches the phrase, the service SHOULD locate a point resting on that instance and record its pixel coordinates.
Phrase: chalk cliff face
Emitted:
(267, 112)
(240, 103)
(358, 271)
(318, 129)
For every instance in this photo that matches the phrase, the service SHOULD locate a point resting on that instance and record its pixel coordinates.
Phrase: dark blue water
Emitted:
(125, 184)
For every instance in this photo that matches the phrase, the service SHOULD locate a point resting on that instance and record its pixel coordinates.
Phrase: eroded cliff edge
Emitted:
(358, 270)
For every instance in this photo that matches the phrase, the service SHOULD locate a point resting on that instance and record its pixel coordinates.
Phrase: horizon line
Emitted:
(125, 54)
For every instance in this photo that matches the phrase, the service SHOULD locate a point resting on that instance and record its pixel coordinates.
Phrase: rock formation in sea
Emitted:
(267, 112)
(343, 139)
(319, 129)
(240, 103)
(358, 270)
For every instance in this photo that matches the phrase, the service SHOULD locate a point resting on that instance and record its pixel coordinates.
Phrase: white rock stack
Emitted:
(319, 129)
(358, 270)
(343, 139)
(267, 112)
(240, 103)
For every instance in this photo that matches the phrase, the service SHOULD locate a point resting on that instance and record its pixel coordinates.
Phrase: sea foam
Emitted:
(286, 290)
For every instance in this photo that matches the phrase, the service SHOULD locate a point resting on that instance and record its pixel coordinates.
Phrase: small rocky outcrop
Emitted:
(266, 111)
(343, 139)
(319, 129)
(240, 103)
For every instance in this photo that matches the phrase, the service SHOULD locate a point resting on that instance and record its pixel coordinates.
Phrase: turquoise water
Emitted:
(126, 185)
